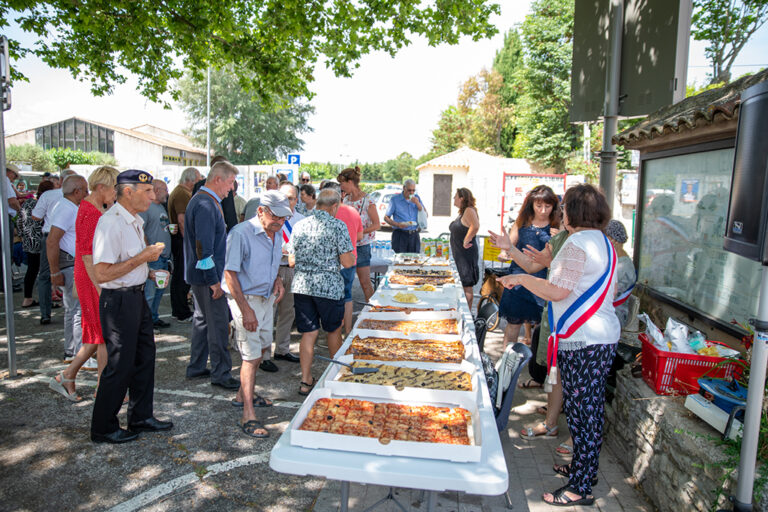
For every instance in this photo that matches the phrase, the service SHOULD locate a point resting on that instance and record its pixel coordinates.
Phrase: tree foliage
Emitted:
(726, 25)
(544, 133)
(30, 154)
(243, 129)
(508, 63)
(63, 157)
(477, 119)
(272, 47)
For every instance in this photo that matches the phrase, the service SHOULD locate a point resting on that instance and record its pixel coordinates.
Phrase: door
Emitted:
(441, 195)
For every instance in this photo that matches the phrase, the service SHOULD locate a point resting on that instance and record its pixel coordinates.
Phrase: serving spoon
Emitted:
(353, 369)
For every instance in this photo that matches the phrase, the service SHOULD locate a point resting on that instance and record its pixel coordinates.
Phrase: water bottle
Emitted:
(390, 252)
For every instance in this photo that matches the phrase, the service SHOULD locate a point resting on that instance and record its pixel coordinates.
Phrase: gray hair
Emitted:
(66, 172)
(305, 173)
(222, 169)
(289, 184)
(188, 175)
(327, 198)
(122, 186)
(409, 181)
(73, 182)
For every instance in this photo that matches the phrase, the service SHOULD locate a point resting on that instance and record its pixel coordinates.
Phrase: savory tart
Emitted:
(401, 377)
(397, 349)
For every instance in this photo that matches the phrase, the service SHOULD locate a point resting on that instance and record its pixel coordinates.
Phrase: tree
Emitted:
(243, 129)
(544, 132)
(64, 157)
(31, 154)
(272, 47)
(508, 62)
(727, 25)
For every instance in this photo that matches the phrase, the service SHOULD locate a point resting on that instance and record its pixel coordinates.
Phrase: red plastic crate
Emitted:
(673, 373)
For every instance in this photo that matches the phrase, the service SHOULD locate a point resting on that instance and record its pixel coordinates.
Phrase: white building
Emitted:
(481, 173)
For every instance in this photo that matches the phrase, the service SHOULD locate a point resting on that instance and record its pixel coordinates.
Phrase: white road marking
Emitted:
(161, 490)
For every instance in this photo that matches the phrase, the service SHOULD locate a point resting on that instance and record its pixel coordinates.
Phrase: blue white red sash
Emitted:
(623, 296)
(287, 230)
(582, 309)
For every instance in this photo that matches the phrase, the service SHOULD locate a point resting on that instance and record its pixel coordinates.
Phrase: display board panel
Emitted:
(681, 255)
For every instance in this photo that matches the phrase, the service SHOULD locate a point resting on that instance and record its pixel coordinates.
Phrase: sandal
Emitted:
(530, 383)
(250, 428)
(31, 304)
(565, 470)
(564, 449)
(309, 387)
(559, 498)
(258, 401)
(549, 433)
(58, 386)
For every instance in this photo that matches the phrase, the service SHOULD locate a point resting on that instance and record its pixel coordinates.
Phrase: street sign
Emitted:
(294, 159)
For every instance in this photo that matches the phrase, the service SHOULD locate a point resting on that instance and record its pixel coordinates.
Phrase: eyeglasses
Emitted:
(410, 190)
(305, 180)
(275, 217)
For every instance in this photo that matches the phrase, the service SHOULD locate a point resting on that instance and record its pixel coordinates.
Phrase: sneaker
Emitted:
(91, 365)
(186, 320)
(67, 359)
(161, 323)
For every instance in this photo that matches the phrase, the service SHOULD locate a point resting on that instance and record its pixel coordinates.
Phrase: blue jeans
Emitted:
(152, 293)
(44, 283)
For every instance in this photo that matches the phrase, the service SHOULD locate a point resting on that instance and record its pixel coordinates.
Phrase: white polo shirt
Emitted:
(119, 237)
(10, 193)
(44, 207)
(64, 215)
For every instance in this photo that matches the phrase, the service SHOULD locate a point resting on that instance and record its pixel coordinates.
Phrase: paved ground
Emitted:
(47, 461)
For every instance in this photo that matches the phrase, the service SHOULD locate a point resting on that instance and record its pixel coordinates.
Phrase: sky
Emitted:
(389, 105)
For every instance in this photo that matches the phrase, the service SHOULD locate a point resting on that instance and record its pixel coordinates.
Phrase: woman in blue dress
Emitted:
(537, 222)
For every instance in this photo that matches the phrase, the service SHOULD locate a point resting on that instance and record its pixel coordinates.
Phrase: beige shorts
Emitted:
(251, 344)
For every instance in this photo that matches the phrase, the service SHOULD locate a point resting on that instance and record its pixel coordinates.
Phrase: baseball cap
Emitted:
(277, 203)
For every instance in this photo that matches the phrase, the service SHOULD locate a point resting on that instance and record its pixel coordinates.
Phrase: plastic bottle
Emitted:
(696, 341)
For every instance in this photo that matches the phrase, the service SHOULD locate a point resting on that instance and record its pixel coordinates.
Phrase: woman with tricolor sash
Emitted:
(585, 332)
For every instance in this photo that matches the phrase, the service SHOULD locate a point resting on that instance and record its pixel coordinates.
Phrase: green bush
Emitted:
(65, 156)
(30, 154)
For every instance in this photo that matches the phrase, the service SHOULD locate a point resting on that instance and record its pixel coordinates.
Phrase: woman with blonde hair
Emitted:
(101, 183)
(349, 180)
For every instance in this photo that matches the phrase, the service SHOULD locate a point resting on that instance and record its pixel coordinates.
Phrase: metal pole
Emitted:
(208, 123)
(742, 500)
(611, 108)
(5, 222)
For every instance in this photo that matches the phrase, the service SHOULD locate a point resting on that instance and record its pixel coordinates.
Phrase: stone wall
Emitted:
(672, 453)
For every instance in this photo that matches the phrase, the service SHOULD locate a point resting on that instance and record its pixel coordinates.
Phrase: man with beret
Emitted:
(205, 247)
(120, 258)
(254, 249)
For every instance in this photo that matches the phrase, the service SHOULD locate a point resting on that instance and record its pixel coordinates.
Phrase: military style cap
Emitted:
(277, 203)
(134, 176)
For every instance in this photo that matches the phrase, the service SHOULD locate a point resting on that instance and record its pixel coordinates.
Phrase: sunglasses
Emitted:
(305, 180)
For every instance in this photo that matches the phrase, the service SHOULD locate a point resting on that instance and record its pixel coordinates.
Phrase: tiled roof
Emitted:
(709, 107)
(462, 157)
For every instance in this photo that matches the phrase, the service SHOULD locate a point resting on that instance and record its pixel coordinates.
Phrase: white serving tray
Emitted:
(415, 316)
(411, 393)
(426, 299)
(325, 440)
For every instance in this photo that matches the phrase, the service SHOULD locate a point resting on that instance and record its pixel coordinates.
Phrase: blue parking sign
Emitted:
(294, 159)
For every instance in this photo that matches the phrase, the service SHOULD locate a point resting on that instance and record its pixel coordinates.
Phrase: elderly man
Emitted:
(403, 216)
(156, 230)
(284, 312)
(320, 248)
(250, 207)
(60, 251)
(120, 258)
(177, 207)
(252, 287)
(205, 246)
(42, 211)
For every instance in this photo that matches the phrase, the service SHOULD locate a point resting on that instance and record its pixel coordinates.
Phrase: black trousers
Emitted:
(406, 241)
(179, 287)
(126, 323)
(33, 267)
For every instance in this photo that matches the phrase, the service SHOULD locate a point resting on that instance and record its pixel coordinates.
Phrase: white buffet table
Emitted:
(488, 476)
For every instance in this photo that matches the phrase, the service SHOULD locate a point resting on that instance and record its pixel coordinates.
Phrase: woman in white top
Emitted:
(582, 274)
(349, 180)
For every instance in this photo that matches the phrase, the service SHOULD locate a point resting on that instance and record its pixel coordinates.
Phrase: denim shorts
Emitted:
(312, 313)
(364, 255)
(349, 278)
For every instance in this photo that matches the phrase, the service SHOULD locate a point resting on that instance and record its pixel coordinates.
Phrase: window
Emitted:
(39, 136)
(685, 206)
(79, 135)
(69, 134)
(102, 140)
(110, 142)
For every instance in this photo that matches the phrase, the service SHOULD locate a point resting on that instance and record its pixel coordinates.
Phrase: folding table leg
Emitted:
(431, 500)
(344, 496)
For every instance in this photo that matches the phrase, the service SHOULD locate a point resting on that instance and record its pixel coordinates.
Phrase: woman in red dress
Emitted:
(102, 186)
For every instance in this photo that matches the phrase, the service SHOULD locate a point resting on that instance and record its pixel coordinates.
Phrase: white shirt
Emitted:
(286, 233)
(119, 237)
(64, 217)
(44, 207)
(10, 193)
(577, 266)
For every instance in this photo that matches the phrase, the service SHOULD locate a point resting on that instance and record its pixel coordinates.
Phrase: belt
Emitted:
(137, 288)
(408, 231)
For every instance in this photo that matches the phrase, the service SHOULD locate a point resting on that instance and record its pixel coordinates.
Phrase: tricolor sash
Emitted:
(623, 296)
(581, 310)
(287, 230)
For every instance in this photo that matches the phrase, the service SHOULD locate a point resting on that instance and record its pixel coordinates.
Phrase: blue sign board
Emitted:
(294, 159)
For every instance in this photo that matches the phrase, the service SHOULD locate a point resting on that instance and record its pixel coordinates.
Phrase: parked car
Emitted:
(381, 199)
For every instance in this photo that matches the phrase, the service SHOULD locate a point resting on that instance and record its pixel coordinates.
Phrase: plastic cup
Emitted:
(173, 228)
(161, 278)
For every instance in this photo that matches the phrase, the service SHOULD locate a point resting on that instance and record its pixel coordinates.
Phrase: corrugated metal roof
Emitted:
(709, 107)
